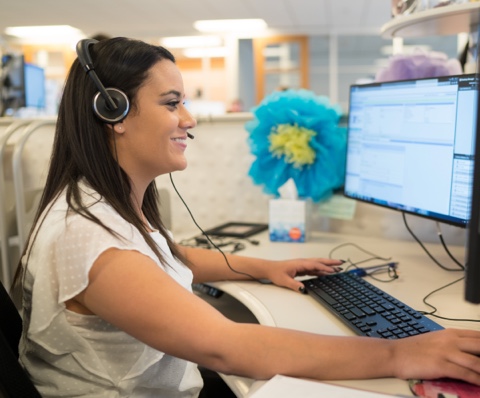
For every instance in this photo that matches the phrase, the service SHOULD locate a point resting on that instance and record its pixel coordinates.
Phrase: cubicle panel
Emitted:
(10, 131)
(31, 158)
(5, 275)
(216, 185)
(5, 122)
(217, 189)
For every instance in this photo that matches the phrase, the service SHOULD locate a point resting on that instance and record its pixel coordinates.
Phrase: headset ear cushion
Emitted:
(107, 115)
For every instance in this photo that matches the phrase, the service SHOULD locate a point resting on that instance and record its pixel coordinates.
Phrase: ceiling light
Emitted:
(36, 31)
(205, 52)
(45, 34)
(191, 41)
(230, 25)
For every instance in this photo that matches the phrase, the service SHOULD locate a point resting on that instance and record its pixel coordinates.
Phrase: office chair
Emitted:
(14, 381)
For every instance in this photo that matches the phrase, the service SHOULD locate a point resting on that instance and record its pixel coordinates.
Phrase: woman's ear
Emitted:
(119, 128)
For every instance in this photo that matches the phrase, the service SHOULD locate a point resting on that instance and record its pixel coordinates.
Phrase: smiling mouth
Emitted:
(179, 139)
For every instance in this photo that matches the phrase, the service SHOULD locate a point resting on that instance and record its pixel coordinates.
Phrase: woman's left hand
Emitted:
(283, 273)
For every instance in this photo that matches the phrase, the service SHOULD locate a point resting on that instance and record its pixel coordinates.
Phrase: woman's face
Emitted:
(152, 139)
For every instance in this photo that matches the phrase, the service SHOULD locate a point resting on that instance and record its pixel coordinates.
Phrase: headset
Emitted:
(110, 105)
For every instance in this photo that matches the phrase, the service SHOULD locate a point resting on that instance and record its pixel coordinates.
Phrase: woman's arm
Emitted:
(210, 266)
(130, 291)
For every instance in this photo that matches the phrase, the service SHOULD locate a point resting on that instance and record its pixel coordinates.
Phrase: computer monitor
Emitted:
(22, 84)
(34, 86)
(411, 145)
(12, 83)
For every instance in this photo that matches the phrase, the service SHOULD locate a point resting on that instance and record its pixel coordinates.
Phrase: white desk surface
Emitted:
(418, 276)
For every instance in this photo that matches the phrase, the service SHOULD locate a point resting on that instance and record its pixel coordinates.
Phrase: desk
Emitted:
(418, 276)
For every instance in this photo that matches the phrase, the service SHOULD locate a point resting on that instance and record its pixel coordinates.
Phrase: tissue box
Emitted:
(287, 220)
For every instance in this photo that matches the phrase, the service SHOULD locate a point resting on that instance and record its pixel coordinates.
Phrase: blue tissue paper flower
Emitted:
(295, 134)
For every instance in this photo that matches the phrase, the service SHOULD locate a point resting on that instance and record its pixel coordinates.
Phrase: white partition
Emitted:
(11, 131)
(31, 158)
(217, 189)
(216, 185)
(4, 133)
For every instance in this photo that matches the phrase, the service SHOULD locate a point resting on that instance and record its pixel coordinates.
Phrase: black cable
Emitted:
(373, 255)
(440, 236)
(394, 276)
(208, 238)
(392, 273)
(372, 270)
(425, 249)
(433, 313)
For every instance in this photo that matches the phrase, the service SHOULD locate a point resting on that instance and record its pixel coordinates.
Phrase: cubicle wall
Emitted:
(215, 186)
(25, 147)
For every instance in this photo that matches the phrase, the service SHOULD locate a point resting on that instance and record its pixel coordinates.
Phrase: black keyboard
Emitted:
(366, 309)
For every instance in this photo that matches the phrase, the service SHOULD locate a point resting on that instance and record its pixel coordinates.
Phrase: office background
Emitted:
(343, 39)
(344, 44)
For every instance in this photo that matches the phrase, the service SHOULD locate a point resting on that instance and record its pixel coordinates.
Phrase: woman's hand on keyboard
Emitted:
(447, 353)
(283, 273)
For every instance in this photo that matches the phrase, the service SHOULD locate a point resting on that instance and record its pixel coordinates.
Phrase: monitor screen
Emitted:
(411, 146)
(34, 86)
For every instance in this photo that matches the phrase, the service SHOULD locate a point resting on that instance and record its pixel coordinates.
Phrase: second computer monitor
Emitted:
(411, 146)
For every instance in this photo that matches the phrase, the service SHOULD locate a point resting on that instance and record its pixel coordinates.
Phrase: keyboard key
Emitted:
(357, 312)
(367, 310)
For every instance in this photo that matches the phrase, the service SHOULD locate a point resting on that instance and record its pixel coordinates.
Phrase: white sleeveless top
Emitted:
(72, 355)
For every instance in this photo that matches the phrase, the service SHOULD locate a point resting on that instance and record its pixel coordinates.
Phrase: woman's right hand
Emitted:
(451, 353)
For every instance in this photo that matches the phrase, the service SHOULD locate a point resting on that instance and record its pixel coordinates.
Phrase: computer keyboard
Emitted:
(366, 309)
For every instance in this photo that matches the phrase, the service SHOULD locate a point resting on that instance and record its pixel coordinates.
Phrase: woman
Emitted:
(108, 307)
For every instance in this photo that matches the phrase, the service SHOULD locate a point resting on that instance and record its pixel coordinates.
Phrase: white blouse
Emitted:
(72, 355)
